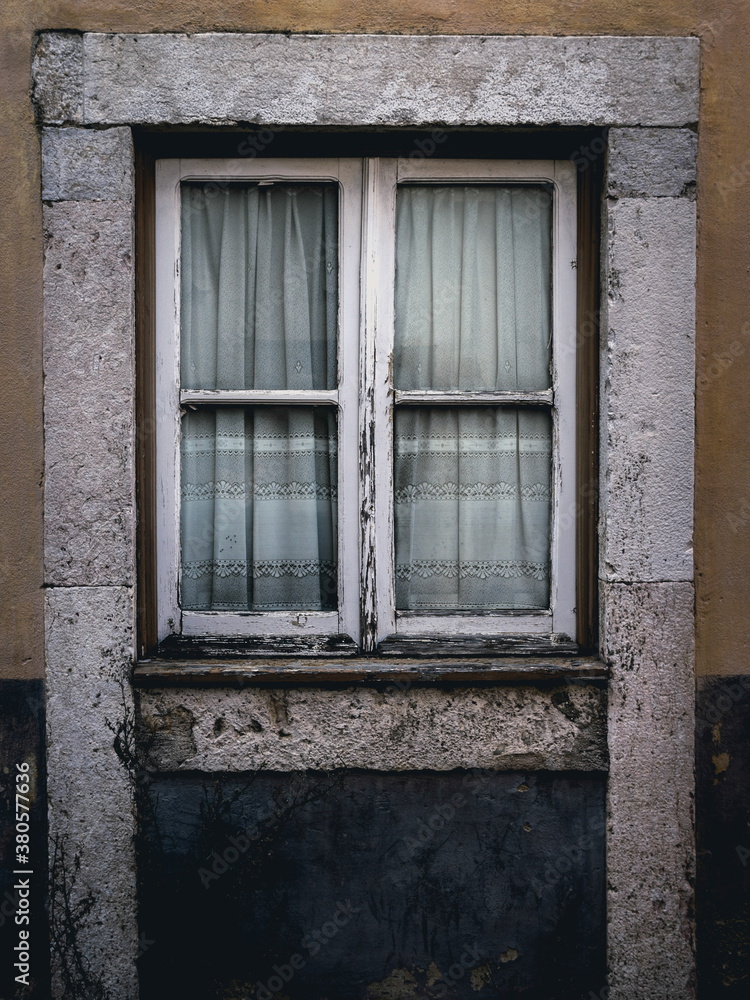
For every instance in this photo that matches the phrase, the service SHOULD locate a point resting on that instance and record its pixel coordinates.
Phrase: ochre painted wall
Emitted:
(723, 354)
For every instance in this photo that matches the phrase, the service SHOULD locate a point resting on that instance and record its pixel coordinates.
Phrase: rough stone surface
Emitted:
(648, 642)
(87, 164)
(57, 74)
(648, 390)
(387, 730)
(388, 79)
(89, 635)
(651, 162)
(88, 394)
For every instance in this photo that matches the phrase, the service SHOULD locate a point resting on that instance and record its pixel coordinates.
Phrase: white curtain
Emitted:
(259, 311)
(473, 282)
(259, 286)
(472, 484)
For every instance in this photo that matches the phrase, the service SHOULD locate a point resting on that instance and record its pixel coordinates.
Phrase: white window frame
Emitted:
(365, 399)
(171, 618)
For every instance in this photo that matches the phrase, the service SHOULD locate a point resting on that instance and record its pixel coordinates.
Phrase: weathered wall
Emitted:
(723, 335)
(461, 884)
(723, 351)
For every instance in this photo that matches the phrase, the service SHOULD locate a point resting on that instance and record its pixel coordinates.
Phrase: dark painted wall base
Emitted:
(23, 843)
(373, 886)
(723, 838)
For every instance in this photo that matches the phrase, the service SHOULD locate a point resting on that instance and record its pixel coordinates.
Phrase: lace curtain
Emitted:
(472, 484)
(259, 311)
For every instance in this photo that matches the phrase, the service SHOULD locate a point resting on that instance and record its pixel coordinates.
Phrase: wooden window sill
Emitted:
(400, 671)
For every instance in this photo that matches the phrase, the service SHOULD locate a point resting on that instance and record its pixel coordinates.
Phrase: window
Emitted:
(365, 379)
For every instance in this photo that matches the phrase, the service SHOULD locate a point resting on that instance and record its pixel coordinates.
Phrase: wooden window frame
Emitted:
(172, 619)
(375, 625)
(381, 620)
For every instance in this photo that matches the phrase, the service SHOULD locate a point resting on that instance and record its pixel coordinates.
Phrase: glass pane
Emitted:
(472, 508)
(473, 284)
(259, 509)
(259, 286)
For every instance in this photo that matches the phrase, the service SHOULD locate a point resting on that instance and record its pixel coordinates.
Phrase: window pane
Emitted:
(259, 509)
(259, 286)
(473, 281)
(472, 508)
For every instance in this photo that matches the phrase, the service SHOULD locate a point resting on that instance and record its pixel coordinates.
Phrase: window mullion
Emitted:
(376, 459)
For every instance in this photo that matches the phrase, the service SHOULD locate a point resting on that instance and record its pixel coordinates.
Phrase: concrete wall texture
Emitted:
(646, 578)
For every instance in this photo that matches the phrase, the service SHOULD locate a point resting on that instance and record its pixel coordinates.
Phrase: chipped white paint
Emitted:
(169, 175)
(379, 80)
(375, 420)
(397, 728)
(378, 584)
(89, 651)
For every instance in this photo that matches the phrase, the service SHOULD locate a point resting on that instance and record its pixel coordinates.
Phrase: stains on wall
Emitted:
(723, 837)
(374, 886)
(554, 727)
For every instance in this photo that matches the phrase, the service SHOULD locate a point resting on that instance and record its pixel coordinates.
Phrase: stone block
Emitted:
(89, 394)
(57, 74)
(87, 164)
(651, 162)
(648, 388)
(89, 652)
(391, 80)
(647, 638)
(392, 730)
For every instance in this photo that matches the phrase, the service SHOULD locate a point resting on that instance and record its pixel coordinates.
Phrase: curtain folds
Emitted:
(259, 286)
(259, 310)
(472, 484)
(472, 508)
(259, 492)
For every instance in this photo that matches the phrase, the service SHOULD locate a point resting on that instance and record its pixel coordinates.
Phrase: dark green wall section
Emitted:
(723, 835)
(23, 824)
(373, 886)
